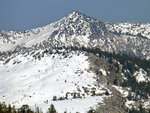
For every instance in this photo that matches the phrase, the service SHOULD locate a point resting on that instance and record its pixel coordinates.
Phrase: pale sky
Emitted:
(28, 14)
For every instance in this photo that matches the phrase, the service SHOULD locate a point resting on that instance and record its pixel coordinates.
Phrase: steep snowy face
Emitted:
(133, 29)
(78, 24)
(41, 78)
(130, 38)
(77, 29)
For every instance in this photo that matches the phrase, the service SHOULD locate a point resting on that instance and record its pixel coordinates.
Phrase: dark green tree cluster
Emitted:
(7, 108)
(91, 111)
(51, 109)
(139, 110)
(4, 108)
(140, 88)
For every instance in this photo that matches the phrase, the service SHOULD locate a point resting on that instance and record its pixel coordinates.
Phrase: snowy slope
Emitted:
(26, 80)
(26, 38)
(141, 76)
(133, 29)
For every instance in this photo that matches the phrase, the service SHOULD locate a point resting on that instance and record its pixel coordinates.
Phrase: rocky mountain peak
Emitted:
(75, 13)
(76, 17)
(78, 24)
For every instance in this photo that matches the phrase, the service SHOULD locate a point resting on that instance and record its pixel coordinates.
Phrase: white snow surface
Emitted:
(142, 29)
(26, 80)
(129, 104)
(141, 76)
(103, 72)
(147, 104)
(27, 38)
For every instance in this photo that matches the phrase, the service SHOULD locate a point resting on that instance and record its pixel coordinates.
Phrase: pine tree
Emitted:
(51, 109)
(91, 111)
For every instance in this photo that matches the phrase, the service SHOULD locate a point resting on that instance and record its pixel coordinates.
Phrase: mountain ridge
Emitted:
(77, 29)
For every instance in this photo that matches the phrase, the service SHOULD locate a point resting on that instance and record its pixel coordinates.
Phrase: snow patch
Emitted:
(103, 72)
(129, 104)
(141, 76)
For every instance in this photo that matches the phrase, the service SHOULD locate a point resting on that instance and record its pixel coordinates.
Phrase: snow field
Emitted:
(35, 82)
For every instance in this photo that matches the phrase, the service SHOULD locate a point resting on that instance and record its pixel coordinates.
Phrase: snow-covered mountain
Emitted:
(77, 29)
(63, 64)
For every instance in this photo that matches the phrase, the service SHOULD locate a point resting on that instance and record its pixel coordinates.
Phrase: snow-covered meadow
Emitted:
(26, 80)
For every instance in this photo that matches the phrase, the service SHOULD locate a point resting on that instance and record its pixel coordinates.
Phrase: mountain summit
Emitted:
(77, 29)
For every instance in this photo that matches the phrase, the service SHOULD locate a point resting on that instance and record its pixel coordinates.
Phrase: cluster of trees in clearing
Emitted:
(4, 108)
